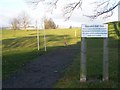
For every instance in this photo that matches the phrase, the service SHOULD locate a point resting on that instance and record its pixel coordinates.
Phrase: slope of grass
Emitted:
(71, 76)
(20, 47)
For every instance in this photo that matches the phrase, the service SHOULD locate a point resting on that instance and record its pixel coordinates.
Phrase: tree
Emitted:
(115, 26)
(15, 23)
(49, 24)
(24, 20)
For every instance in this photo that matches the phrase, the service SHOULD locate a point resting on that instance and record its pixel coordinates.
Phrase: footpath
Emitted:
(44, 71)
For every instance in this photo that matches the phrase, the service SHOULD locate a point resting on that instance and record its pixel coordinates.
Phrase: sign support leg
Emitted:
(105, 60)
(83, 60)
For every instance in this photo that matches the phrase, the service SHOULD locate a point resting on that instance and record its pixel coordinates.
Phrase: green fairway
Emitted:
(20, 46)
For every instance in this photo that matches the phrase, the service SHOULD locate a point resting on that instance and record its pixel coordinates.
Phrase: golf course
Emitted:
(21, 57)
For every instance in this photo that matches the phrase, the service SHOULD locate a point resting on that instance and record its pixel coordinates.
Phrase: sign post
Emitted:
(98, 31)
(83, 60)
(105, 60)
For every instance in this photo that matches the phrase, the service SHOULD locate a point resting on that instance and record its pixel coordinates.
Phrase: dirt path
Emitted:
(44, 71)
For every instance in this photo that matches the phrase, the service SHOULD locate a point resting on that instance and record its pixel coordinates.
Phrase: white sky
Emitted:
(12, 8)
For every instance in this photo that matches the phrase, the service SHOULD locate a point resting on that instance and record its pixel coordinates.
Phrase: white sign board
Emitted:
(99, 30)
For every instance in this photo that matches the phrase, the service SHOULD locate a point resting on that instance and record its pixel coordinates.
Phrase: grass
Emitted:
(71, 76)
(20, 47)
(18, 50)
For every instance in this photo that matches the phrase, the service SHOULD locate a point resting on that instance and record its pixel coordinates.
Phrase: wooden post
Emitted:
(105, 60)
(83, 60)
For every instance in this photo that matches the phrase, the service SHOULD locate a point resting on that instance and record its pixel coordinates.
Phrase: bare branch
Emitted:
(33, 3)
(69, 8)
(51, 3)
(105, 8)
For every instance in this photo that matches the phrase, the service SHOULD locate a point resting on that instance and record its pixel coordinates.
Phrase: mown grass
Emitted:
(71, 76)
(20, 47)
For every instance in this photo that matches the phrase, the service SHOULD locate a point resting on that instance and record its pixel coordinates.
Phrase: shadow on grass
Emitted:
(19, 51)
(31, 41)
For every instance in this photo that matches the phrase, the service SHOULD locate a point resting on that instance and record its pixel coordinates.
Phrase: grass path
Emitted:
(44, 71)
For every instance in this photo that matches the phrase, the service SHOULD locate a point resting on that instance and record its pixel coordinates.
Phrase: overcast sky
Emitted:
(12, 8)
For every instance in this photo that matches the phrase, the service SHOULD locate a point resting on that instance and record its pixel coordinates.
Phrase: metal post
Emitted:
(45, 40)
(83, 60)
(38, 39)
(105, 60)
(44, 29)
(44, 35)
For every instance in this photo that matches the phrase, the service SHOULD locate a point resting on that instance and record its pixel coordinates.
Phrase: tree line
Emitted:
(23, 20)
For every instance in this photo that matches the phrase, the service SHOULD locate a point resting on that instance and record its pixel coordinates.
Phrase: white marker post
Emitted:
(44, 36)
(38, 36)
(44, 28)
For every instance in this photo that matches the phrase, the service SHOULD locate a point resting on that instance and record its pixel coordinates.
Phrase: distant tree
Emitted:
(49, 24)
(57, 26)
(70, 27)
(24, 19)
(15, 23)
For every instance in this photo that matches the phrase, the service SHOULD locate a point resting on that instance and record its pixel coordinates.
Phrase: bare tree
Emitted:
(24, 20)
(49, 24)
(15, 23)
